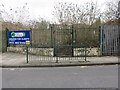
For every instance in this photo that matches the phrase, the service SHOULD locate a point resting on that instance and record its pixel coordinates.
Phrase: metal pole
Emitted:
(31, 36)
(7, 30)
(85, 53)
(56, 59)
(27, 54)
(73, 40)
(100, 48)
(119, 28)
(51, 35)
(101, 40)
(53, 39)
(55, 46)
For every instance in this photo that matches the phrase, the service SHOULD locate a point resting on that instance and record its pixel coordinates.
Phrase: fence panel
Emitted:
(109, 40)
(43, 54)
(87, 36)
(62, 43)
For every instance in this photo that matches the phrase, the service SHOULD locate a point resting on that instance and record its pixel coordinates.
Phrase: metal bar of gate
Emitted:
(27, 54)
(72, 40)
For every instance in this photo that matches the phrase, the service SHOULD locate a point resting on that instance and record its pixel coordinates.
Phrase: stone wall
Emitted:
(49, 51)
(41, 51)
(17, 49)
(89, 51)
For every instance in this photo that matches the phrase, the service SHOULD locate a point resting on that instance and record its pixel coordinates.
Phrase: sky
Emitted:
(44, 8)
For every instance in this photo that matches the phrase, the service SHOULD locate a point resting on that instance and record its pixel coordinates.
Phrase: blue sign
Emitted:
(19, 37)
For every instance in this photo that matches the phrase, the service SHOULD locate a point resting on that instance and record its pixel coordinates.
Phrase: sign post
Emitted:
(19, 37)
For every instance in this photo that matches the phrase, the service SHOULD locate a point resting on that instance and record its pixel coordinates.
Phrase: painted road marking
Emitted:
(12, 69)
(83, 66)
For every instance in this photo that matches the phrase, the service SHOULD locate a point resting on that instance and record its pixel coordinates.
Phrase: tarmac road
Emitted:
(61, 77)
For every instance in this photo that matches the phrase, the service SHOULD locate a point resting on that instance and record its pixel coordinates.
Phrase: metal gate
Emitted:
(62, 37)
(61, 43)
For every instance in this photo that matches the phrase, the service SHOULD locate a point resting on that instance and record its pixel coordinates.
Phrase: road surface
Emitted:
(61, 77)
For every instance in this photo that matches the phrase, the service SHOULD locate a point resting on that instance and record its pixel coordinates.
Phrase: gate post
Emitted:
(101, 40)
(119, 28)
(53, 43)
(27, 53)
(53, 39)
(73, 40)
(51, 35)
(31, 36)
(85, 53)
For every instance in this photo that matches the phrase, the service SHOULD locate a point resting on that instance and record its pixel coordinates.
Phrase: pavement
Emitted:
(10, 59)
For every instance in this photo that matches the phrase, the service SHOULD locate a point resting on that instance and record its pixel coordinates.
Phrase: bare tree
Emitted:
(69, 13)
(111, 12)
(64, 12)
(15, 15)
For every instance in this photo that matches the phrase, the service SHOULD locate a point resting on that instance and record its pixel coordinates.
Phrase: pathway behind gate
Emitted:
(16, 59)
